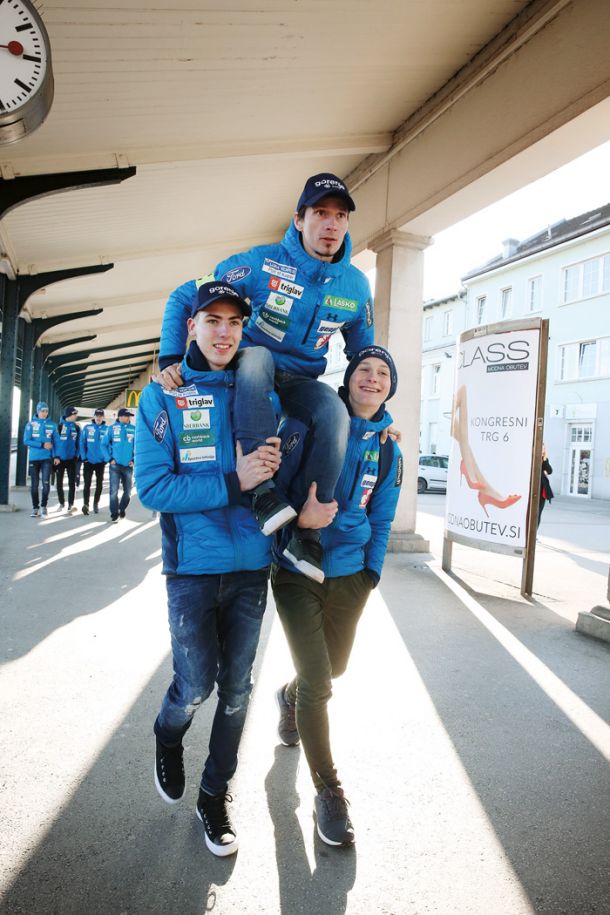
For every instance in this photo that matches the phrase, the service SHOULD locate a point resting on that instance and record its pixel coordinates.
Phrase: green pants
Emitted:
(320, 624)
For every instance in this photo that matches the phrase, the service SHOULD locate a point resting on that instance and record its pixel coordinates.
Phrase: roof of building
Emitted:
(434, 303)
(562, 231)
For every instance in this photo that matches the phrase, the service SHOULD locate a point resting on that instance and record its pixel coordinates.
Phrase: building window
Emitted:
(448, 323)
(481, 302)
(436, 378)
(589, 359)
(505, 302)
(586, 279)
(582, 433)
(534, 293)
(427, 328)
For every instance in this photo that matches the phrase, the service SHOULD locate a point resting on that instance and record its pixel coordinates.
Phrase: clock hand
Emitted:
(14, 47)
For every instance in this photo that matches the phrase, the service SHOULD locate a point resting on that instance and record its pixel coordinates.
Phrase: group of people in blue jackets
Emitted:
(63, 448)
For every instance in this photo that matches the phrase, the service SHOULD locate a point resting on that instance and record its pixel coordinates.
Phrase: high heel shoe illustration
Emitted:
(486, 499)
(470, 482)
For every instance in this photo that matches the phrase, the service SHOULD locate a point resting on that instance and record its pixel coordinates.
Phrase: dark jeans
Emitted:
(70, 468)
(313, 402)
(124, 476)
(320, 623)
(215, 623)
(40, 470)
(88, 471)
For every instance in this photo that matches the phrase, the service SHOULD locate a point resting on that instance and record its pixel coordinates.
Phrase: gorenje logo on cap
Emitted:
(225, 290)
(330, 182)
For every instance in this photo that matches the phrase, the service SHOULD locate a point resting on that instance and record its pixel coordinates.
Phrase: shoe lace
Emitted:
(172, 765)
(216, 811)
(336, 804)
(290, 716)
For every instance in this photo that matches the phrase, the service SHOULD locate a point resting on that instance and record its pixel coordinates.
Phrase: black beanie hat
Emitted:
(377, 352)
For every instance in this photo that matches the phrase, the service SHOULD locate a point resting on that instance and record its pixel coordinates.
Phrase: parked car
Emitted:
(432, 472)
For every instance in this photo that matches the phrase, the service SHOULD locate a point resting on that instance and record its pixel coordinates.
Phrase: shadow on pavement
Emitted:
(325, 890)
(543, 785)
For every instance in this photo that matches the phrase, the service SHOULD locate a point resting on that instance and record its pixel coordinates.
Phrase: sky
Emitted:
(574, 188)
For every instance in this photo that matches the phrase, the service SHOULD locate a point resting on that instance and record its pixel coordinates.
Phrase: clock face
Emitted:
(23, 54)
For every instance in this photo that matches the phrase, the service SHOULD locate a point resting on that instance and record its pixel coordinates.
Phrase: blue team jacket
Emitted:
(358, 537)
(185, 456)
(66, 440)
(118, 443)
(91, 439)
(36, 433)
(298, 303)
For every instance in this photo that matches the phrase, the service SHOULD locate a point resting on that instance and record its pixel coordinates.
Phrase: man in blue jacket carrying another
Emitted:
(118, 450)
(38, 436)
(214, 555)
(66, 446)
(302, 291)
(92, 456)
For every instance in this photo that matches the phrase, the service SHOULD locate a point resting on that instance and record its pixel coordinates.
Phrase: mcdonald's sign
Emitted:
(132, 398)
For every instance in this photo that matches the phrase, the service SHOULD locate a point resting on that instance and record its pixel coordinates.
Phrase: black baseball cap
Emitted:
(209, 293)
(70, 411)
(125, 412)
(99, 412)
(324, 185)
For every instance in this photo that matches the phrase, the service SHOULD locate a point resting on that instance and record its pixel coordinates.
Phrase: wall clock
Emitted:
(26, 77)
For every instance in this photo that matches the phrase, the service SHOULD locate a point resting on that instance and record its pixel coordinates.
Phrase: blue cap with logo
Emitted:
(209, 293)
(324, 185)
(41, 405)
(125, 412)
(70, 411)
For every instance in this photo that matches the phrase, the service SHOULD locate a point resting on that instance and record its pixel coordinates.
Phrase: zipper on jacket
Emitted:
(310, 325)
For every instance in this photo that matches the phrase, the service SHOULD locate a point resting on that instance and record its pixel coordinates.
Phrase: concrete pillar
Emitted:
(398, 327)
(9, 299)
(596, 623)
(27, 371)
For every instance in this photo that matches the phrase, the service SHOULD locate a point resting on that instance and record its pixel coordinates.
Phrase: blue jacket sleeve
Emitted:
(173, 329)
(160, 487)
(381, 510)
(361, 331)
(82, 446)
(29, 441)
(106, 445)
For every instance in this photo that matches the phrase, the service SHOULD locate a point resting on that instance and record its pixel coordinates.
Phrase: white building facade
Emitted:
(562, 274)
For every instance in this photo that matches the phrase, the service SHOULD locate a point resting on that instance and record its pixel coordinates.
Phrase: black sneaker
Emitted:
(333, 822)
(85, 509)
(121, 514)
(306, 556)
(96, 509)
(270, 511)
(114, 519)
(287, 726)
(169, 773)
(220, 835)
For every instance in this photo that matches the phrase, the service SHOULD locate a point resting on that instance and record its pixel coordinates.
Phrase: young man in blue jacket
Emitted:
(38, 437)
(118, 450)
(66, 447)
(215, 557)
(302, 291)
(320, 619)
(92, 456)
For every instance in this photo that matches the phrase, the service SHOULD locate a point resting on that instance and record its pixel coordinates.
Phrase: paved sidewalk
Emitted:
(472, 732)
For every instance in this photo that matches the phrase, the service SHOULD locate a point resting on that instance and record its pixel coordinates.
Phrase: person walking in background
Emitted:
(38, 437)
(66, 448)
(320, 618)
(92, 456)
(546, 492)
(118, 450)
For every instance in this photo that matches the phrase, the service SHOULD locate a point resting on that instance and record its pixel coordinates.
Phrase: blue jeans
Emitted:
(123, 475)
(215, 623)
(314, 403)
(40, 469)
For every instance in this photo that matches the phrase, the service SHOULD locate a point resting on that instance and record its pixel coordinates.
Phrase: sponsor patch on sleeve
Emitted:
(208, 278)
(195, 402)
(286, 288)
(236, 274)
(368, 483)
(398, 479)
(291, 442)
(160, 426)
(368, 313)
